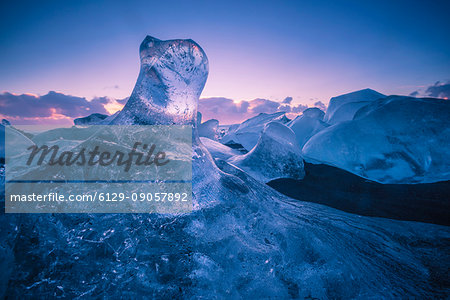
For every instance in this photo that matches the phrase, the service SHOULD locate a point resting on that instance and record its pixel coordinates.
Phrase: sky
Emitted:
(307, 50)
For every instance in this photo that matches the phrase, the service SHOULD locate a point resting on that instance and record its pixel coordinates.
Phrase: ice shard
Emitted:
(248, 132)
(307, 125)
(366, 95)
(91, 119)
(209, 129)
(219, 150)
(276, 155)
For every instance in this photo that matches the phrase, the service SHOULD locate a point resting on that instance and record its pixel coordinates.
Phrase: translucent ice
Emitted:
(346, 112)
(242, 240)
(170, 81)
(16, 137)
(392, 140)
(89, 120)
(248, 133)
(209, 129)
(366, 95)
(307, 125)
(276, 155)
(219, 150)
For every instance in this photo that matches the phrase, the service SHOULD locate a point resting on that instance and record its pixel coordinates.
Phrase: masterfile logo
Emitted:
(99, 169)
(91, 158)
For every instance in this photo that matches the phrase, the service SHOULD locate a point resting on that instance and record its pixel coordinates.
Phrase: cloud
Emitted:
(228, 111)
(439, 90)
(58, 108)
(258, 106)
(321, 105)
(29, 108)
(287, 100)
(299, 108)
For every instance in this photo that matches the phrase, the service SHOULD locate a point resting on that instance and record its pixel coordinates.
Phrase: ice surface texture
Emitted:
(243, 239)
(392, 140)
(276, 155)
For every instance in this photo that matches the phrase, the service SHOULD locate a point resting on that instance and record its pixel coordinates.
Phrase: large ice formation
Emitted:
(307, 125)
(366, 95)
(393, 140)
(276, 155)
(242, 240)
(248, 132)
(170, 81)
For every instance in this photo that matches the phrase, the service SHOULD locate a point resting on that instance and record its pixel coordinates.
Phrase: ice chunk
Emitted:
(89, 120)
(209, 129)
(347, 111)
(170, 81)
(393, 140)
(358, 96)
(15, 137)
(249, 131)
(218, 150)
(109, 119)
(276, 155)
(307, 125)
(171, 78)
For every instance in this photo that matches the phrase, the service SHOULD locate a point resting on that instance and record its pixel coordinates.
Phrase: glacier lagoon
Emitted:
(243, 239)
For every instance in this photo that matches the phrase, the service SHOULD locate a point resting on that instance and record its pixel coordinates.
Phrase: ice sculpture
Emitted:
(307, 125)
(276, 155)
(243, 239)
(393, 140)
(170, 81)
(366, 95)
(248, 132)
